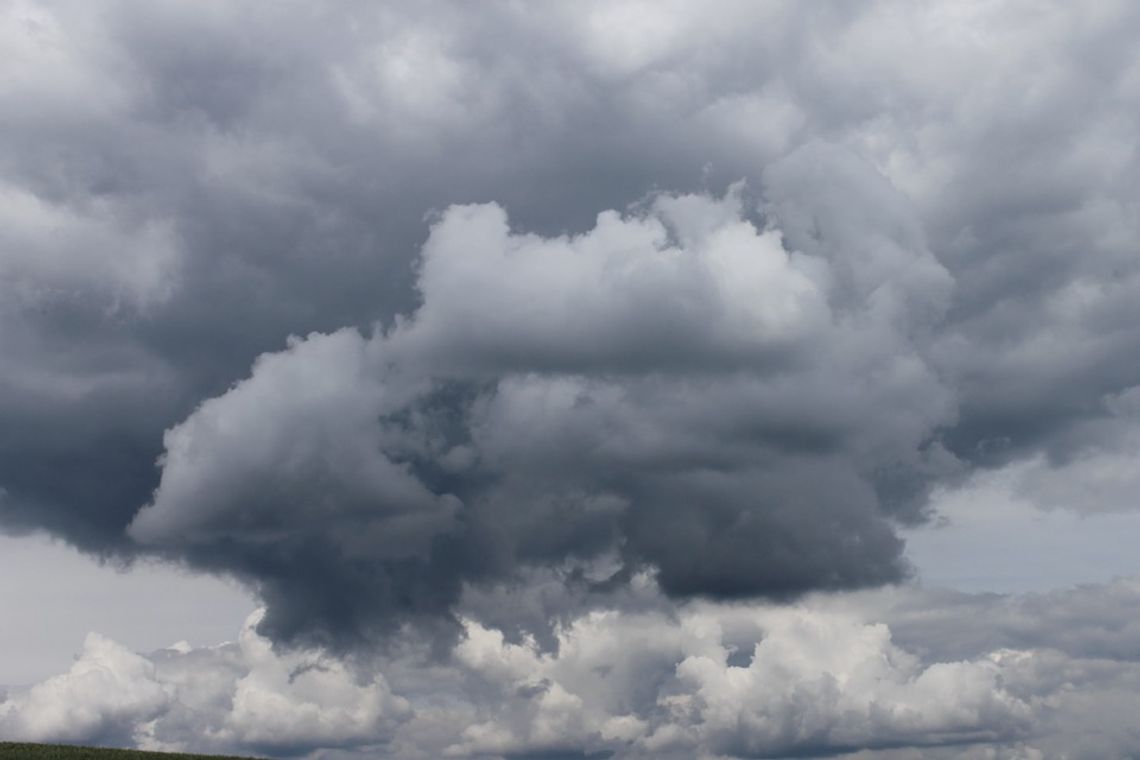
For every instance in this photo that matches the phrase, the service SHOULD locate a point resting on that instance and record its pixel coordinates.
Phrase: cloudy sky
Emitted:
(571, 380)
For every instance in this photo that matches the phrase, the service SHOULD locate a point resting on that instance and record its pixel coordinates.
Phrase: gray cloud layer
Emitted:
(899, 673)
(586, 290)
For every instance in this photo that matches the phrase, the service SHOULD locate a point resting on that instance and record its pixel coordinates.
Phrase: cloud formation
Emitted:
(100, 699)
(239, 695)
(390, 311)
(901, 672)
(240, 179)
(673, 387)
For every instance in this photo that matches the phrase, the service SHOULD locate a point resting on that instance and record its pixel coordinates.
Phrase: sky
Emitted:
(571, 380)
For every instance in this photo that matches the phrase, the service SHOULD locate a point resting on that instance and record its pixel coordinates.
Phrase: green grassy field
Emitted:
(11, 751)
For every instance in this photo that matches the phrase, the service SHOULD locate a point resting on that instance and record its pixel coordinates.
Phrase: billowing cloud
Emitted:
(901, 672)
(238, 179)
(239, 694)
(674, 386)
(577, 293)
(727, 682)
(103, 697)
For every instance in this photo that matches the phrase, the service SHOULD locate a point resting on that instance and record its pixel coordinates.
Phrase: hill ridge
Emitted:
(28, 751)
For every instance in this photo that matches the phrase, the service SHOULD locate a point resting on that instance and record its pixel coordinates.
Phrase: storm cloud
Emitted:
(673, 388)
(389, 311)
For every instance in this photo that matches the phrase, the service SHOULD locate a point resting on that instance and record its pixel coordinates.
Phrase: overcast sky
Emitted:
(571, 380)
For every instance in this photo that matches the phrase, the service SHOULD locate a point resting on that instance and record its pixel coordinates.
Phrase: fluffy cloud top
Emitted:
(105, 694)
(728, 682)
(233, 695)
(674, 386)
(903, 673)
(241, 178)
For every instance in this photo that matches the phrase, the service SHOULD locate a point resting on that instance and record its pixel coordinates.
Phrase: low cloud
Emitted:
(103, 697)
(734, 682)
(235, 695)
(902, 672)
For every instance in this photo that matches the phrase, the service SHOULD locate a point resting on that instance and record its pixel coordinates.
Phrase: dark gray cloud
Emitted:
(673, 387)
(928, 267)
(270, 176)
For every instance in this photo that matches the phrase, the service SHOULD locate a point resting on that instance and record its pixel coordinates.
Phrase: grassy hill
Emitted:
(11, 751)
